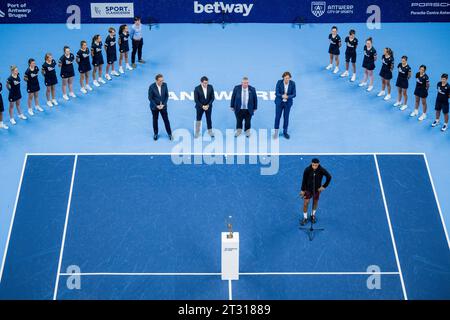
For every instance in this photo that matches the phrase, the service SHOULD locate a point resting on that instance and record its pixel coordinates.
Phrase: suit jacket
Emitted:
(236, 99)
(199, 96)
(279, 91)
(155, 98)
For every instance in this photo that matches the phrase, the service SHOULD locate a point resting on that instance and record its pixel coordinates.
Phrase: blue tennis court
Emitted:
(140, 226)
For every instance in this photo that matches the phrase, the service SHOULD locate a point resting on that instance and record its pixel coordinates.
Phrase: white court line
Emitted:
(437, 200)
(65, 228)
(390, 228)
(13, 217)
(140, 274)
(81, 274)
(230, 290)
(224, 153)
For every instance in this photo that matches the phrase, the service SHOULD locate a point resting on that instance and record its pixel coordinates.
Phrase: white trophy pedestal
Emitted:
(230, 256)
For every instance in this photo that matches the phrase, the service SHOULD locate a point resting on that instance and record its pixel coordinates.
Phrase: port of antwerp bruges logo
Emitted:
(318, 8)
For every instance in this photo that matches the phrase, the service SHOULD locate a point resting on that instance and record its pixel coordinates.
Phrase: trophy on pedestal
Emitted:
(229, 223)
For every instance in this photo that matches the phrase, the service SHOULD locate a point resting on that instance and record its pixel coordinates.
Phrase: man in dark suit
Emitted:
(204, 98)
(244, 103)
(285, 92)
(158, 94)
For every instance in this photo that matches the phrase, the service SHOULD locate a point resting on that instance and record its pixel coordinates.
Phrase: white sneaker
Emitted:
(128, 67)
(388, 96)
(38, 108)
(444, 127)
(3, 126)
(336, 70)
(329, 67)
(435, 123)
(115, 73)
(108, 77)
(362, 84)
(403, 107)
(30, 112)
(65, 97)
(353, 78)
(12, 121)
(101, 80)
(121, 70)
(370, 88)
(72, 95)
(83, 90)
(344, 74)
(422, 117)
(381, 93)
(55, 103)
(398, 103)
(414, 113)
(49, 103)
(88, 87)
(22, 116)
(96, 83)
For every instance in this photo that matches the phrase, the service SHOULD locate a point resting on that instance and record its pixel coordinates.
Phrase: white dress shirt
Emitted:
(205, 92)
(244, 96)
(286, 87)
(159, 89)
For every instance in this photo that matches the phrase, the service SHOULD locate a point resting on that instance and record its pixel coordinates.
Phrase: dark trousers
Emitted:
(137, 46)
(284, 109)
(243, 115)
(165, 117)
(208, 112)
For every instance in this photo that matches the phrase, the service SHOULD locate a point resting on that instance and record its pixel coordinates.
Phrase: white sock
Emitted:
(305, 215)
(314, 212)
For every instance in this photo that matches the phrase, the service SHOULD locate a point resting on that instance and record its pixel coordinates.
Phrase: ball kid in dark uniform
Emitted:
(31, 77)
(124, 47)
(370, 56)
(386, 73)
(14, 96)
(421, 92)
(2, 109)
(111, 53)
(404, 73)
(97, 59)
(333, 50)
(84, 66)
(350, 54)
(67, 72)
(443, 94)
(50, 79)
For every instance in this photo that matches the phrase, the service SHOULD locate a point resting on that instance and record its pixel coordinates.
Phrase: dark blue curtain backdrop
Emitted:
(204, 11)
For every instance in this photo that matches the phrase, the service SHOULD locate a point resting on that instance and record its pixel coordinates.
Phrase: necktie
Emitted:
(245, 98)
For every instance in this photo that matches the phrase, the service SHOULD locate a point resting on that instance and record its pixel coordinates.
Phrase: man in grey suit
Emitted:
(244, 103)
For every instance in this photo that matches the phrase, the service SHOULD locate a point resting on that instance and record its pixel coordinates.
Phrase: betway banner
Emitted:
(210, 11)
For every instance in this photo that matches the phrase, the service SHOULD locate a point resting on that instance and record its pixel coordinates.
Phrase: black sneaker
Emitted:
(155, 137)
(313, 218)
(286, 135)
(170, 137)
(304, 221)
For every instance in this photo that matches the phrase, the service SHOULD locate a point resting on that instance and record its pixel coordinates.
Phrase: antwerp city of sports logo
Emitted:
(318, 8)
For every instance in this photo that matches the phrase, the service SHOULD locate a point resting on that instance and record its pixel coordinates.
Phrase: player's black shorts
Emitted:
(442, 106)
(350, 57)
